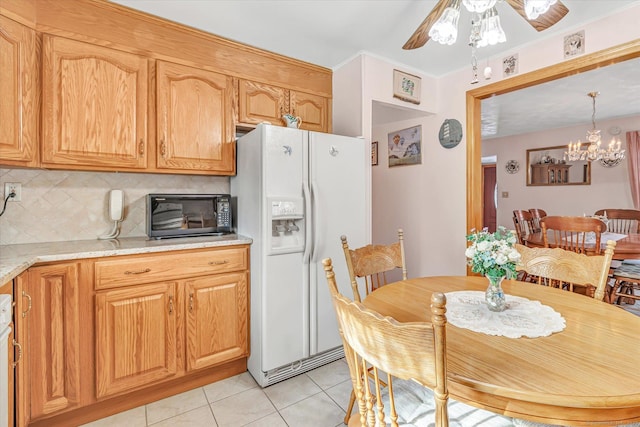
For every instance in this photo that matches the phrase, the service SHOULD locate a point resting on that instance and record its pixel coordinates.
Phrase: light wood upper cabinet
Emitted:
(48, 329)
(94, 106)
(135, 337)
(195, 126)
(312, 109)
(216, 315)
(20, 89)
(260, 102)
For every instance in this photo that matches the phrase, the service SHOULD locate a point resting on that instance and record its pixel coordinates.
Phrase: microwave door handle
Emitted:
(306, 257)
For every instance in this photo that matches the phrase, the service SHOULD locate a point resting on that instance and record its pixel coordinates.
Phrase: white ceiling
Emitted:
(330, 32)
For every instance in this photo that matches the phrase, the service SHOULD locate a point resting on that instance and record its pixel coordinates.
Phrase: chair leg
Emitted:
(615, 299)
(352, 401)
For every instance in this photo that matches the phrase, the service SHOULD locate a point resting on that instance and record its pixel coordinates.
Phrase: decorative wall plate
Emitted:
(512, 166)
(450, 133)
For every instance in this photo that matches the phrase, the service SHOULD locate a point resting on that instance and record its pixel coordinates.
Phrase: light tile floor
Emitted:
(317, 398)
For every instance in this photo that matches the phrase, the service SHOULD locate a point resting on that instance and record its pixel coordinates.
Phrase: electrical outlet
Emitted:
(16, 187)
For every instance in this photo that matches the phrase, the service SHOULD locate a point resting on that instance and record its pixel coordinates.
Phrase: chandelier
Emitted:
(610, 156)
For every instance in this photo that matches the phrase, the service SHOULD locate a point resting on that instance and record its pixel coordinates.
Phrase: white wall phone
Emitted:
(116, 213)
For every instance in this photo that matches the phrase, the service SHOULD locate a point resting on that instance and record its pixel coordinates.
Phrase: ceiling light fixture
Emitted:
(535, 8)
(486, 28)
(611, 156)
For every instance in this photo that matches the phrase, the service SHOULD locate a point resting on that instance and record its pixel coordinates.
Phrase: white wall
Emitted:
(609, 186)
(429, 200)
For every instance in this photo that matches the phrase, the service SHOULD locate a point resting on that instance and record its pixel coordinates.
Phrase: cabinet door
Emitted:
(195, 119)
(48, 326)
(135, 337)
(312, 109)
(217, 319)
(95, 106)
(259, 102)
(19, 86)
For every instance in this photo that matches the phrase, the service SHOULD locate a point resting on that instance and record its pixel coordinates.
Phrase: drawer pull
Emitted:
(28, 297)
(163, 148)
(141, 147)
(226, 261)
(17, 344)
(191, 302)
(146, 270)
(170, 304)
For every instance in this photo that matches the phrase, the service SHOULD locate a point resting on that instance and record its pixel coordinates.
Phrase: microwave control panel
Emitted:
(223, 211)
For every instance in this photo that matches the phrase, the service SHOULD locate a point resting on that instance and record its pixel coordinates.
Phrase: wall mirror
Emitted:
(545, 166)
(588, 62)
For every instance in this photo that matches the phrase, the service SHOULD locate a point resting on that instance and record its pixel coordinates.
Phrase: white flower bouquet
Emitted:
(493, 254)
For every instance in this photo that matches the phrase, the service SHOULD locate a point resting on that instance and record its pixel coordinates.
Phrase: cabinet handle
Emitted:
(146, 270)
(163, 148)
(141, 147)
(17, 344)
(191, 302)
(226, 261)
(28, 297)
(170, 304)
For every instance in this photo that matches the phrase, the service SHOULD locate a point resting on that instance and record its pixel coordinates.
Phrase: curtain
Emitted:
(633, 153)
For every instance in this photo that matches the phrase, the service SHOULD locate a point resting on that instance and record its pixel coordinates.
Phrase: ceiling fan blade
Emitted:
(421, 34)
(555, 13)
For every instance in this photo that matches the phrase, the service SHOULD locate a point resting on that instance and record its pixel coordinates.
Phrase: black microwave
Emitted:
(182, 215)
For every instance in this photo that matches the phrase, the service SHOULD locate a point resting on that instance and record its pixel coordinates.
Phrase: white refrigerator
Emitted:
(295, 193)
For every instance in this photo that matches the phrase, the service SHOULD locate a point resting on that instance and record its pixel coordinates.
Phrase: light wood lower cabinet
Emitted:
(135, 337)
(48, 330)
(216, 319)
(149, 331)
(122, 331)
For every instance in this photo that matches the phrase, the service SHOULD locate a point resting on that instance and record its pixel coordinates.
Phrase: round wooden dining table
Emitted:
(587, 374)
(626, 248)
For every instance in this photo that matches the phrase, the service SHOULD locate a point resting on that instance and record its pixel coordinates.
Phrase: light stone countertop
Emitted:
(14, 259)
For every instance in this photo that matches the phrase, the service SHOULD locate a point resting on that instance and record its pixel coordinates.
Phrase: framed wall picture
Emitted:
(374, 153)
(574, 44)
(406, 87)
(405, 146)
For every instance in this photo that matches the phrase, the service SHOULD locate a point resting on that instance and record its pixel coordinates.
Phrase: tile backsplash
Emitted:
(71, 205)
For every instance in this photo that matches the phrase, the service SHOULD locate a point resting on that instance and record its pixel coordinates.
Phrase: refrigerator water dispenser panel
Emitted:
(287, 225)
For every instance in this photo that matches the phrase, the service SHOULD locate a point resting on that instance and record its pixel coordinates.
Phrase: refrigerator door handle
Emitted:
(306, 256)
(314, 215)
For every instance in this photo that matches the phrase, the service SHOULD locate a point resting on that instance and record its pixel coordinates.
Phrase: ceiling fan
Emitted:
(555, 13)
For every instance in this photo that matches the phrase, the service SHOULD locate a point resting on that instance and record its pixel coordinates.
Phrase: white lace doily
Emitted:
(522, 317)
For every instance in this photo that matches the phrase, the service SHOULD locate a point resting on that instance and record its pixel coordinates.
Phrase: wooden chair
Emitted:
(562, 268)
(413, 359)
(523, 223)
(573, 233)
(626, 282)
(537, 214)
(623, 221)
(373, 262)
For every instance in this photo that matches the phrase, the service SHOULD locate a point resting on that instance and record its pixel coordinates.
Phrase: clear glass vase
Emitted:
(494, 295)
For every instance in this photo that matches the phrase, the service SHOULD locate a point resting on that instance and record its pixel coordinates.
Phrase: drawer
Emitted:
(121, 271)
